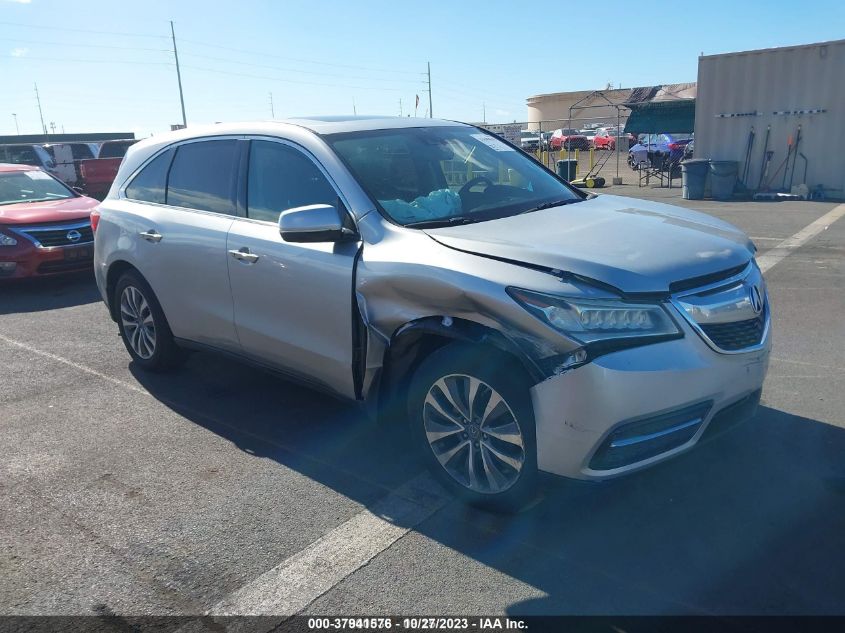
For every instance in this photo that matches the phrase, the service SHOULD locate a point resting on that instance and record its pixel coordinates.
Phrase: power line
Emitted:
(74, 44)
(299, 59)
(293, 81)
(71, 30)
(296, 70)
(90, 61)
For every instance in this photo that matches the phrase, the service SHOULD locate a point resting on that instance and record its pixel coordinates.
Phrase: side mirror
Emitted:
(314, 223)
(79, 190)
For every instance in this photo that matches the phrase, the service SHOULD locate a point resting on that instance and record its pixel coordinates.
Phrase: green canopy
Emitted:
(653, 117)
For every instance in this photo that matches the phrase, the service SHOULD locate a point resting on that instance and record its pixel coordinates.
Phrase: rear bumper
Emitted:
(634, 408)
(26, 260)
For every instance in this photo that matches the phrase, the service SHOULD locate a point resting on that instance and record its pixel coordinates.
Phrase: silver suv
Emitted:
(434, 273)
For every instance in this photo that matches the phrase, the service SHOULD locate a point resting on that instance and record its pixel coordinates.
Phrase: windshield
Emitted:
(447, 174)
(31, 186)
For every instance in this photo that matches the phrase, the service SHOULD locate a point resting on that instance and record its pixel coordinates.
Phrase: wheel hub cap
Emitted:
(473, 433)
(138, 324)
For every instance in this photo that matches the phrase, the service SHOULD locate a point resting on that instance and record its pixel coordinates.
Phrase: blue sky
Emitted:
(107, 65)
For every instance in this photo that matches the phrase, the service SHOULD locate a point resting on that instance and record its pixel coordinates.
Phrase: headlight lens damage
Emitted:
(592, 320)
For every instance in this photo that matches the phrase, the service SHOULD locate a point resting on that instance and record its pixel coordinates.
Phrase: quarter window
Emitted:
(149, 185)
(280, 178)
(203, 176)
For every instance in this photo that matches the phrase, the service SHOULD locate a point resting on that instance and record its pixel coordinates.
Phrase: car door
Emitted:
(184, 206)
(293, 302)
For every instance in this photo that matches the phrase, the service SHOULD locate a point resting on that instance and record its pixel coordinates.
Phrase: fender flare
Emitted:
(413, 341)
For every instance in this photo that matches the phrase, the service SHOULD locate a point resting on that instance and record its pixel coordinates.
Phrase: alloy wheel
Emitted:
(473, 433)
(138, 324)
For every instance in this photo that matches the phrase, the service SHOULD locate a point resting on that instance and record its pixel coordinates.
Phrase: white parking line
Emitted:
(70, 363)
(292, 585)
(774, 256)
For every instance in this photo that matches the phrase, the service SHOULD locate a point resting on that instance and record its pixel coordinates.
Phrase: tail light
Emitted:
(674, 146)
(95, 219)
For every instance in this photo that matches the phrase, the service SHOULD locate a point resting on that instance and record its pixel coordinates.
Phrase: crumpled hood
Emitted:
(633, 245)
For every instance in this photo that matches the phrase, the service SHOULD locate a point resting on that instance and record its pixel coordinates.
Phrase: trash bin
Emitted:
(693, 177)
(723, 175)
(567, 169)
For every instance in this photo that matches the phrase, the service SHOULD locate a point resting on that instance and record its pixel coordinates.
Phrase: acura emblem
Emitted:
(73, 235)
(756, 299)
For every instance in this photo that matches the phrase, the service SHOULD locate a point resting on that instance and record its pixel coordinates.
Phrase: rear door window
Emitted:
(150, 184)
(280, 178)
(203, 176)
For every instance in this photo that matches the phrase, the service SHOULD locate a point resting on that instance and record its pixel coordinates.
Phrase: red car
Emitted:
(606, 138)
(45, 226)
(567, 138)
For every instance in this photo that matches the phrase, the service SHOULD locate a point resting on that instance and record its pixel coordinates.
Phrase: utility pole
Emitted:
(354, 109)
(178, 75)
(400, 107)
(272, 110)
(17, 129)
(430, 111)
(40, 113)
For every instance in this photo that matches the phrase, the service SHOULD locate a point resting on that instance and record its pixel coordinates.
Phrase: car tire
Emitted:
(143, 326)
(486, 456)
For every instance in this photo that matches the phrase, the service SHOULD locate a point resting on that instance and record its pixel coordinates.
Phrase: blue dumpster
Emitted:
(694, 176)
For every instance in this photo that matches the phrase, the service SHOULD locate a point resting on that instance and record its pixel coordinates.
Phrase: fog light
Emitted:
(7, 268)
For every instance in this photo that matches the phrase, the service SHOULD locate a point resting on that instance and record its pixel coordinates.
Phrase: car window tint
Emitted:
(149, 184)
(280, 178)
(22, 156)
(203, 175)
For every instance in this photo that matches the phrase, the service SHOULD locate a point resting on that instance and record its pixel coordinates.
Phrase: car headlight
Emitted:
(7, 240)
(593, 320)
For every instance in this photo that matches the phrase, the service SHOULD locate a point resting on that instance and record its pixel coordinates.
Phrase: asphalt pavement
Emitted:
(219, 484)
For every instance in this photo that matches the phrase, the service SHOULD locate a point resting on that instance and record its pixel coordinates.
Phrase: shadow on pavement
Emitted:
(48, 293)
(752, 522)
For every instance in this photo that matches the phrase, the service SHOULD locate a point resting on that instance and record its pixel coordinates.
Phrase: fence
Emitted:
(603, 151)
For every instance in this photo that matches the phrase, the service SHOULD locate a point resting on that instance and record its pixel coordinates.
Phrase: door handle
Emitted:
(151, 236)
(243, 255)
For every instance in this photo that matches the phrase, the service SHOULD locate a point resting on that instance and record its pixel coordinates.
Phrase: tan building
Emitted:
(776, 91)
(551, 111)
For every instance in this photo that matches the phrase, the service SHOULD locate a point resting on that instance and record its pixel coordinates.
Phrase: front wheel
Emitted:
(471, 416)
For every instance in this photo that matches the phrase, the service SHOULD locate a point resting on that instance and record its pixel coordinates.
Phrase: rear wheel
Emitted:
(471, 416)
(142, 324)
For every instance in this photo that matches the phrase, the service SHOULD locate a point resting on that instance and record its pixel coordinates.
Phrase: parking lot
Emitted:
(222, 489)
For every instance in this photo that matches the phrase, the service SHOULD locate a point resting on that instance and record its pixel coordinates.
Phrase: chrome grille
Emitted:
(52, 235)
(731, 315)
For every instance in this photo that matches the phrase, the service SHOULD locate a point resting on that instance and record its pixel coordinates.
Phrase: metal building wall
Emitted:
(775, 80)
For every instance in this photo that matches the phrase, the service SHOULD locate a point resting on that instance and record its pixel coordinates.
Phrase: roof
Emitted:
(9, 167)
(318, 125)
(775, 49)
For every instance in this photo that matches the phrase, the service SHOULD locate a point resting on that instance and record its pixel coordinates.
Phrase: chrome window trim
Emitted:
(24, 231)
(675, 301)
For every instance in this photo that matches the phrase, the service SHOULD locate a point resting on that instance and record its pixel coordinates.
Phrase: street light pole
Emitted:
(17, 129)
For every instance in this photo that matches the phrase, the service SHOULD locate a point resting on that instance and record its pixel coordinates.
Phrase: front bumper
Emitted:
(650, 403)
(27, 260)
